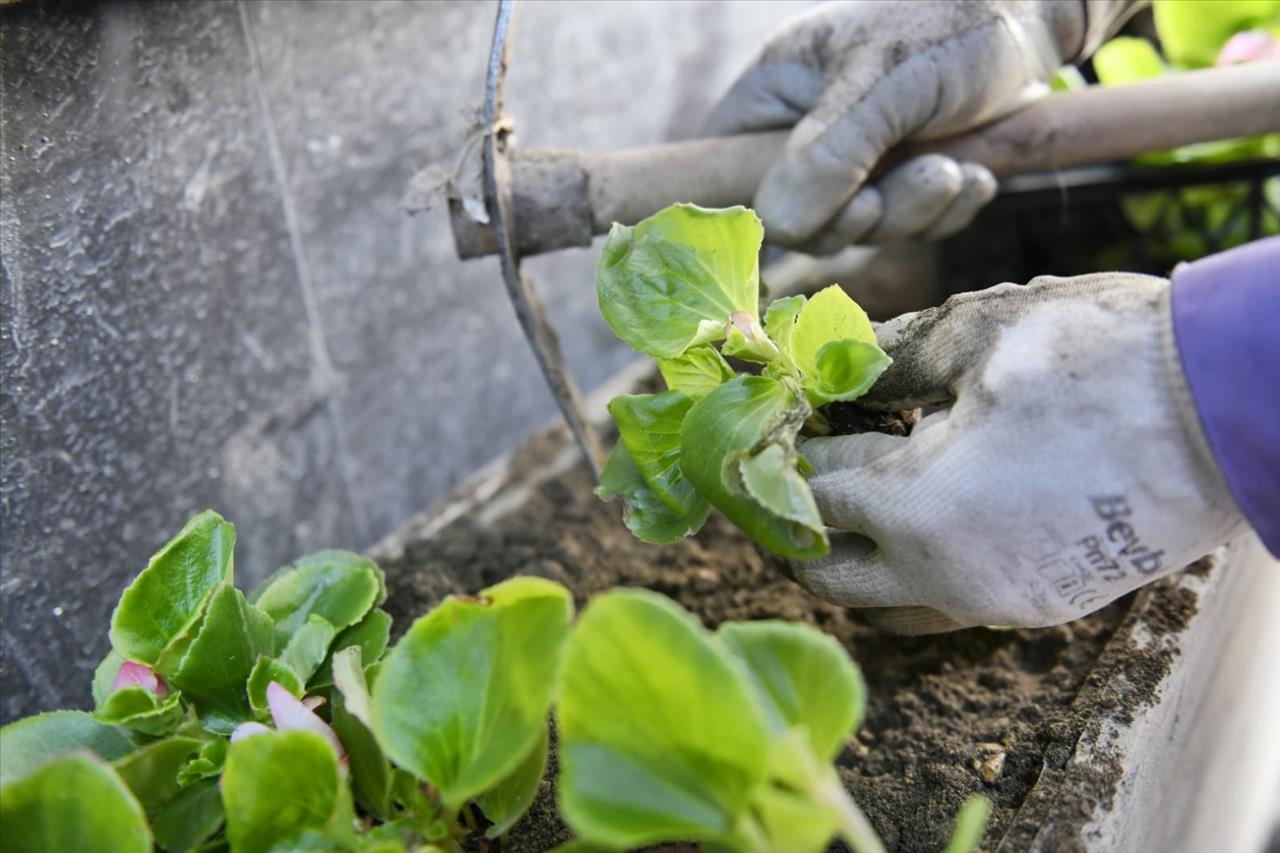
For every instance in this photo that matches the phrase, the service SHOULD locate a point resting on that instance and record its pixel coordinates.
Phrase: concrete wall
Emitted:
(211, 295)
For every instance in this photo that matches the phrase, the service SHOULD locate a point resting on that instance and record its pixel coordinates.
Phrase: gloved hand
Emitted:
(1067, 467)
(856, 78)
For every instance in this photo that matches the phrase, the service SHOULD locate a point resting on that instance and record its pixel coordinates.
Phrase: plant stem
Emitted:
(855, 829)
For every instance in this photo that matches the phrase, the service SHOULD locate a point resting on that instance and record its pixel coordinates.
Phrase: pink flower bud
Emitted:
(135, 674)
(1249, 46)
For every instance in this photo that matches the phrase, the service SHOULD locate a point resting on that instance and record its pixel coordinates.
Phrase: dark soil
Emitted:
(977, 711)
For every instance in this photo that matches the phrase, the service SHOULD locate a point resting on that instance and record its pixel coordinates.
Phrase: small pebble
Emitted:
(990, 761)
(705, 580)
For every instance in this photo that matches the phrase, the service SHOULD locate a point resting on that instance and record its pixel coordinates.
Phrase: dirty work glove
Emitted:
(857, 78)
(1065, 467)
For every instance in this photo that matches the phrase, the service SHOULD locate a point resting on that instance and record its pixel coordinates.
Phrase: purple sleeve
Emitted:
(1226, 321)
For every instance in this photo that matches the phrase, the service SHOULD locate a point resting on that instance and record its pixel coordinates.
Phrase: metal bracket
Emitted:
(498, 201)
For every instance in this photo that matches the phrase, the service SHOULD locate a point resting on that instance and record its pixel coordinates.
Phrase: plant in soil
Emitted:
(675, 286)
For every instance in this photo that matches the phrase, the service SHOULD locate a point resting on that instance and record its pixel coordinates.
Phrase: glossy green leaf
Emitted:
(166, 600)
(660, 734)
(649, 426)
(644, 512)
(845, 370)
(738, 450)
(192, 817)
(672, 281)
(461, 698)
(206, 764)
(152, 771)
(139, 709)
(697, 372)
(278, 784)
(371, 634)
(265, 671)
(1193, 31)
(803, 677)
(216, 667)
(72, 803)
(338, 586)
(506, 802)
(309, 646)
(27, 743)
(971, 823)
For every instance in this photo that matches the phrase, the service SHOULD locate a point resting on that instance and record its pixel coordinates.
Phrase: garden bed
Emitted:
(1004, 713)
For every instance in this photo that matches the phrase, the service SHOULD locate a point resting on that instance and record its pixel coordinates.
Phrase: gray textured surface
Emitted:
(211, 295)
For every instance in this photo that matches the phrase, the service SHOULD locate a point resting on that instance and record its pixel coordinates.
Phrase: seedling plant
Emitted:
(275, 722)
(675, 286)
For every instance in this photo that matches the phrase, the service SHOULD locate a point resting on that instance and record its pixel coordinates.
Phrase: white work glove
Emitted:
(1068, 468)
(857, 78)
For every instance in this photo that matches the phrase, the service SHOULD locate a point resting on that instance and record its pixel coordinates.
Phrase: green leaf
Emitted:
(216, 667)
(462, 697)
(649, 426)
(845, 371)
(104, 677)
(371, 775)
(643, 510)
(30, 742)
(190, 818)
(738, 450)
(371, 634)
(278, 784)
(348, 677)
(780, 319)
(206, 765)
(697, 372)
(309, 646)
(1127, 59)
(795, 822)
(672, 281)
(139, 709)
(152, 771)
(506, 802)
(338, 586)
(166, 600)
(1193, 31)
(660, 735)
(265, 671)
(971, 823)
(72, 803)
(802, 677)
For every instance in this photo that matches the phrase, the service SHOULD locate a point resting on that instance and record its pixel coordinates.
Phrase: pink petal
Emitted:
(289, 713)
(245, 730)
(135, 674)
(313, 702)
(1249, 46)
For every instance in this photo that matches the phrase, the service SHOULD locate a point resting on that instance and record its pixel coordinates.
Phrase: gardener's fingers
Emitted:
(915, 195)
(978, 187)
(910, 620)
(852, 575)
(773, 93)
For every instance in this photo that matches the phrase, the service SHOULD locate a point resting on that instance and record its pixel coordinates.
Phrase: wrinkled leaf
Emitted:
(338, 586)
(309, 646)
(738, 450)
(190, 818)
(640, 760)
(644, 512)
(831, 370)
(216, 667)
(649, 426)
(506, 802)
(698, 372)
(845, 370)
(72, 803)
(265, 671)
(139, 709)
(206, 764)
(278, 784)
(30, 742)
(461, 698)
(152, 771)
(166, 600)
(672, 281)
(803, 677)
(371, 634)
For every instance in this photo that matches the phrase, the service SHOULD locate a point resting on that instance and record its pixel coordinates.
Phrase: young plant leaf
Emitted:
(191, 818)
(780, 319)
(371, 634)
(803, 678)
(371, 775)
(506, 802)
(265, 671)
(830, 340)
(166, 600)
(338, 586)
(279, 784)
(673, 280)
(104, 676)
(216, 667)
(139, 709)
(206, 764)
(152, 771)
(971, 823)
(845, 370)
(697, 372)
(27, 743)
(738, 450)
(649, 426)
(348, 677)
(74, 802)
(309, 646)
(644, 512)
(461, 698)
(641, 761)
